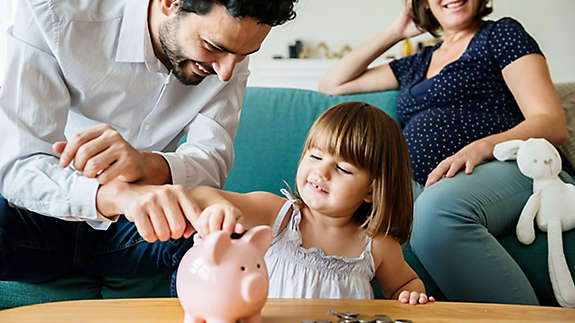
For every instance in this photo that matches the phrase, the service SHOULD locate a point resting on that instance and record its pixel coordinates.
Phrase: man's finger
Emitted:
(159, 222)
(77, 141)
(189, 230)
(175, 218)
(58, 147)
(97, 147)
(145, 228)
(108, 174)
(190, 208)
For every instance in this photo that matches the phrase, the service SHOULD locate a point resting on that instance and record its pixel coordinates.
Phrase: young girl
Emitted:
(354, 210)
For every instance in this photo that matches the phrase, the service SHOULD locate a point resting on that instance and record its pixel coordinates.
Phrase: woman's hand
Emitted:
(414, 298)
(404, 26)
(219, 217)
(469, 156)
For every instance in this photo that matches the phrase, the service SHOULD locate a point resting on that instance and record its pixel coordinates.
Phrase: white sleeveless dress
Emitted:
(296, 272)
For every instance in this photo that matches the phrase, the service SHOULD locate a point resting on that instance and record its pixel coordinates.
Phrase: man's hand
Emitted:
(160, 212)
(101, 152)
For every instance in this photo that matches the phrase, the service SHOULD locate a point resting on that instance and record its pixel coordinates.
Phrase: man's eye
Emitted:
(343, 170)
(211, 47)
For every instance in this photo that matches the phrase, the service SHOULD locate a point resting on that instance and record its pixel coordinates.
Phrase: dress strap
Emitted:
(283, 211)
(288, 195)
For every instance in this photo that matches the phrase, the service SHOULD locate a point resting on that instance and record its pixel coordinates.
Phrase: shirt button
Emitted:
(146, 127)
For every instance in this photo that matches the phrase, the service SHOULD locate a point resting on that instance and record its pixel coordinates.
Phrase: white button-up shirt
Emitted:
(75, 64)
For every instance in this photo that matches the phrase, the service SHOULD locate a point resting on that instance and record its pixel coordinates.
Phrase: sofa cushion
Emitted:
(68, 288)
(82, 287)
(273, 127)
(566, 92)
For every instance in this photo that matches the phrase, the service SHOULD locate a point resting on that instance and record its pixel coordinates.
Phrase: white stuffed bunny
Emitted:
(552, 204)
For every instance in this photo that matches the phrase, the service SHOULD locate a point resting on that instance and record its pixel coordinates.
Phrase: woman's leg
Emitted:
(455, 224)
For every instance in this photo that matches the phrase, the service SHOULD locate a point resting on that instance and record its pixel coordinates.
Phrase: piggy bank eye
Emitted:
(258, 266)
(243, 268)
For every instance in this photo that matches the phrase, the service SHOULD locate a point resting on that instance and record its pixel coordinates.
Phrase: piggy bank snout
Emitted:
(254, 287)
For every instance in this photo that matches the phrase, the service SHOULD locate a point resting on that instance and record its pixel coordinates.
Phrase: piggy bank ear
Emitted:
(507, 149)
(260, 236)
(215, 245)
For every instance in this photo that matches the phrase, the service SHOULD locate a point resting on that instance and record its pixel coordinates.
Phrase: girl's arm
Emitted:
(222, 210)
(351, 75)
(394, 275)
(530, 83)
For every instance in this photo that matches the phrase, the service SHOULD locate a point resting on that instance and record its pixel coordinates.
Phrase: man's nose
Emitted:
(224, 67)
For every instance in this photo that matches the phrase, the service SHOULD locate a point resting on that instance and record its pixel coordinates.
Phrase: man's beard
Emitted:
(175, 60)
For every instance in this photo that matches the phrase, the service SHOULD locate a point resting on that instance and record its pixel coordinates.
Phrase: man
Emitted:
(112, 86)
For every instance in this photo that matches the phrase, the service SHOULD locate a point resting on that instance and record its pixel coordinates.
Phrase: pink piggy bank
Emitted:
(225, 280)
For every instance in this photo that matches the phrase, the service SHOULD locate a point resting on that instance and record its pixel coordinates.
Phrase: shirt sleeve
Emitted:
(207, 155)
(509, 41)
(406, 68)
(34, 104)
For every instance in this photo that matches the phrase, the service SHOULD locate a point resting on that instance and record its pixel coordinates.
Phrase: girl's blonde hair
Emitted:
(368, 138)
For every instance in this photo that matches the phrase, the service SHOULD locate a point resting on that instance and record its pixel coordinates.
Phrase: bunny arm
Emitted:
(561, 280)
(525, 229)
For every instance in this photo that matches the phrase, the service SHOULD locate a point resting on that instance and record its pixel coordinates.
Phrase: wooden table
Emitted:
(282, 310)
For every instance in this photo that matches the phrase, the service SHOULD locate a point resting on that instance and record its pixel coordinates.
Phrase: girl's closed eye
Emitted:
(343, 169)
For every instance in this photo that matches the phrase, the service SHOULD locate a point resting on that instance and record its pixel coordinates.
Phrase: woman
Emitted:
(486, 83)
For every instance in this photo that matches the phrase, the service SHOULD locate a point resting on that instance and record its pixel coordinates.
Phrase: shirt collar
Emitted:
(134, 41)
(132, 32)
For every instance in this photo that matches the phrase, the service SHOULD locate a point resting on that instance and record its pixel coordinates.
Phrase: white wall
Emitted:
(338, 22)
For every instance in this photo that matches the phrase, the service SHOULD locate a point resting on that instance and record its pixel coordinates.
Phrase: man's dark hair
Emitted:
(269, 12)
(424, 19)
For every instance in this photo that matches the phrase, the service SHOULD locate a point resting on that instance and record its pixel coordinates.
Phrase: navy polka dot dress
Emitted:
(466, 101)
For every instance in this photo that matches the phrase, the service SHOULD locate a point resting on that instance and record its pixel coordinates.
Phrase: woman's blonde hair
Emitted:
(368, 138)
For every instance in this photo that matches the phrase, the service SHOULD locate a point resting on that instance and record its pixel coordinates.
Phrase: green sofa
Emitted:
(273, 127)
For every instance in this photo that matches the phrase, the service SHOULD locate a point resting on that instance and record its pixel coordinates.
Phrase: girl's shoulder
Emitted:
(385, 248)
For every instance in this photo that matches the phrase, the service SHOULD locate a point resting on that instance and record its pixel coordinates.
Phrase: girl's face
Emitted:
(454, 14)
(331, 186)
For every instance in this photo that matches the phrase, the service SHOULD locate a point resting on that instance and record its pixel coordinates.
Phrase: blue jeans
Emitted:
(456, 222)
(36, 248)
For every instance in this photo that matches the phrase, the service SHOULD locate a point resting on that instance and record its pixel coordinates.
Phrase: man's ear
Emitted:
(169, 7)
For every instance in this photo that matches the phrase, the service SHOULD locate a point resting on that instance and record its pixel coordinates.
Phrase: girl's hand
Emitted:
(404, 26)
(414, 298)
(469, 156)
(219, 217)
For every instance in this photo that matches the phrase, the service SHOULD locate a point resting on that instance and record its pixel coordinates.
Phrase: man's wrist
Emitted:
(156, 168)
(109, 197)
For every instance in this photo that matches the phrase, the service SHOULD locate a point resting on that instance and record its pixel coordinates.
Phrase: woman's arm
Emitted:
(395, 277)
(222, 210)
(530, 83)
(352, 75)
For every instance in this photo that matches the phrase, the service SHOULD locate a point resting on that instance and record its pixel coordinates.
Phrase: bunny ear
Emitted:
(507, 149)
